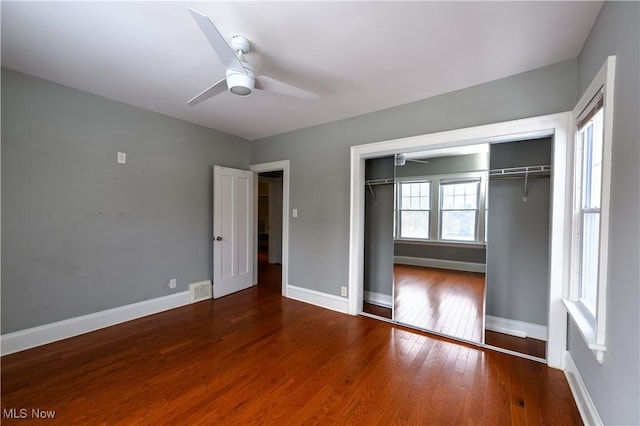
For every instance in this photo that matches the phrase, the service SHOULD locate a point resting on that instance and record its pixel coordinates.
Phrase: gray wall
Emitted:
(518, 236)
(444, 165)
(81, 233)
(378, 228)
(441, 252)
(615, 385)
(319, 236)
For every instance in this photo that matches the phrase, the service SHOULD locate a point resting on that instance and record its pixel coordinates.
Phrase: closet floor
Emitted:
(444, 301)
(527, 346)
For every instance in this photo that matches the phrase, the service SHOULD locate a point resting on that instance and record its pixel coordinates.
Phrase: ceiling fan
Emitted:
(401, 159)
(240, 78)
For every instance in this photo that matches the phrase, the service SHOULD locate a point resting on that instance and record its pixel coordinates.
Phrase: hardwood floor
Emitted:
(528, 346)
(444, 301)
(377, 310)
(256, 357)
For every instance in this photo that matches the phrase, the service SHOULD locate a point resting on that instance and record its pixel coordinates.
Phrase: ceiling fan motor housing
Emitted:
(239, 83)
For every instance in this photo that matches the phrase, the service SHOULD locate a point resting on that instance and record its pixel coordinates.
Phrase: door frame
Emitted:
(273, 166)
(555, 125)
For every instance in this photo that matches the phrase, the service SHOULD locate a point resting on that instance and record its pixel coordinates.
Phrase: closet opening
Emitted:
(555, 127)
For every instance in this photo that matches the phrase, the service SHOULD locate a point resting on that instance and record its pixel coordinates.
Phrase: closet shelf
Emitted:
(526, 172)
(385, 181)
(372, 182)
(520, 171)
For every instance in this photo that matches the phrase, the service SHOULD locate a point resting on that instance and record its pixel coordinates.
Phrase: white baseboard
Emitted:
(324, 300)
(380, 299)
(441, 264)
(48, 333)
(515, 328)
(585, 404)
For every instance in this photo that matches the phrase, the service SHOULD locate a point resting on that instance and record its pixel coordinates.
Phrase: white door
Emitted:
(232, 230)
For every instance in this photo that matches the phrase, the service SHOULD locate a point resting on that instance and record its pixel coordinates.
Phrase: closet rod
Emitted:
(386, 181)
(513, 172)
(525, 170)
(372, 182)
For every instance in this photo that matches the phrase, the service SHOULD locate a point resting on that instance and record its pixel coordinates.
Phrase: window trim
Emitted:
(593, 330)
(476, 231)
(398, 210)
(435, 212)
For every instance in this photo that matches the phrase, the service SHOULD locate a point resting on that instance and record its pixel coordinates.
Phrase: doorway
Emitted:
(269, 224)
(276, 174)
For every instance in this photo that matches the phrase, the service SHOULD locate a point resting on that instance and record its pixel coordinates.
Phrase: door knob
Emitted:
(218, 238)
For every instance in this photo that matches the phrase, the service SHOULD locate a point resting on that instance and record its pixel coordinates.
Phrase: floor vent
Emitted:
(199, 291)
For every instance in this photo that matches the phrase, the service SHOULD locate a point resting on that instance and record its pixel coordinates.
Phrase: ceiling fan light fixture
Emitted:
(240, 84)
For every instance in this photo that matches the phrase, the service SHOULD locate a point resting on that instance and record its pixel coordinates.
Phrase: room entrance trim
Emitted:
(272, 167)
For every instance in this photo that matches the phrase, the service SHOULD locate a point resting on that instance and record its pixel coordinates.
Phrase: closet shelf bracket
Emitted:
(373, 195)
(370, 183)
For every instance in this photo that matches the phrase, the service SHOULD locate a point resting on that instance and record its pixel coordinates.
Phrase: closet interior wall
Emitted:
(378, 235)
(518, 234)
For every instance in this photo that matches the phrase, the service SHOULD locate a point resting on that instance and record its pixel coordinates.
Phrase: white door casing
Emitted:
(233, 237)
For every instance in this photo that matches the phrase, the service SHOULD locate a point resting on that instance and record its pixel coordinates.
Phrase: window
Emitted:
(415, 209)
(589, 142)
(459, 210)
(442, 208)
(586, 301)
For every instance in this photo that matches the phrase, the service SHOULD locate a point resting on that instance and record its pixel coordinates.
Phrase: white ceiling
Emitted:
(358, 56)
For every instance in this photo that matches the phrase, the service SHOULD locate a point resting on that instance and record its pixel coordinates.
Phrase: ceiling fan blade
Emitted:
(272, 85)
(219, 87)
(226, 55)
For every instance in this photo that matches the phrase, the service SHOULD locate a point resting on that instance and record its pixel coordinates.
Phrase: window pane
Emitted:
(415, 203)
(589, 253)
(458, 202)
(424, 203)
(406, 203)
(591, 137)
(459, 225)
(460, 196)
(447, 201)
(470, 201)
(414, 224)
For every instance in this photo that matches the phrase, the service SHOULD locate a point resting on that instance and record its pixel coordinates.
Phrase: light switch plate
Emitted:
(294, 212)
(122, 157)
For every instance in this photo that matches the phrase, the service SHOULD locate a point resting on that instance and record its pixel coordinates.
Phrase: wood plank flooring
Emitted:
(377, 310)
(527, 345)
(255, 357)
(444, 301)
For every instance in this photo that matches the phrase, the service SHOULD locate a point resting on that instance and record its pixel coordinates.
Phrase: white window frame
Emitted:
(476, 231)
(435, 213)
(592, 328)
(399, 209)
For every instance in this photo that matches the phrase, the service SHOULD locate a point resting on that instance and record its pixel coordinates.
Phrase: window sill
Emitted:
(465, 244)
(586, 328)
